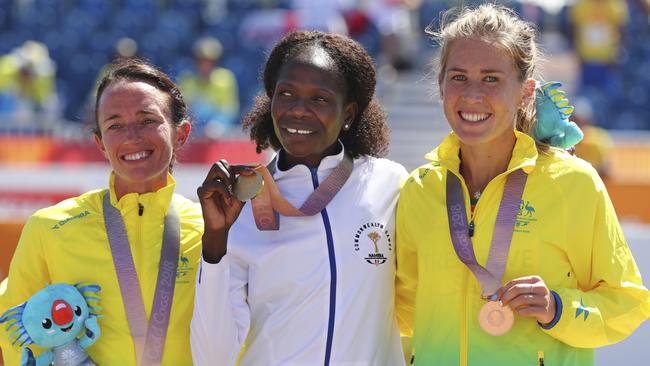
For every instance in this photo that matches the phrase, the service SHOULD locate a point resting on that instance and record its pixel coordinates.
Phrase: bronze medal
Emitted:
(247, 186)
(494, 319)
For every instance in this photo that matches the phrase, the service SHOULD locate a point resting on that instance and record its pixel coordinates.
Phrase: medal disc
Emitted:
(247, 186)
(494, 319)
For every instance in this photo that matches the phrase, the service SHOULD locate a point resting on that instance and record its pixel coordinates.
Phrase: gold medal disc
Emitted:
(248, 186)
(494, 319)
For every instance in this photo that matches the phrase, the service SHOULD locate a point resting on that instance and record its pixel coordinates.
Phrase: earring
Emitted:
(346, 127)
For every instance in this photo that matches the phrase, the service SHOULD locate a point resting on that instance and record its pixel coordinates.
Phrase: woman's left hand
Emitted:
(529, 297)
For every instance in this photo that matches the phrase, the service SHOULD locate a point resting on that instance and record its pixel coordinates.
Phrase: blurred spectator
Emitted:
(322, 15)
(28, 97)
(597, 144)
(646, 4)
(597, 28)
(125, 48)
(211, 91)
(396, 23)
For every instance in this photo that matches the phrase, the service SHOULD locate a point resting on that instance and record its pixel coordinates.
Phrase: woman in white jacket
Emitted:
(319, 289)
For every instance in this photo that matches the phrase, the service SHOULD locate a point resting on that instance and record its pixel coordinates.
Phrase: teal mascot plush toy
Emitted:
(60, 318)
(553, 112)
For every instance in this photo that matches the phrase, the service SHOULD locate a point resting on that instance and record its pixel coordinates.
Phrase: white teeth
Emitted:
(136, 156)
(474, 117)
(299, 132)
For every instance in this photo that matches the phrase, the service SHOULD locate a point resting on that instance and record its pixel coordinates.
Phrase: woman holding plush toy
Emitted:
(137, 240)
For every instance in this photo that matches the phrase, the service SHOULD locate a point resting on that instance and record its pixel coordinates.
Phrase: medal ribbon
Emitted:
(149, 338)
(490, 277)
(269, 203)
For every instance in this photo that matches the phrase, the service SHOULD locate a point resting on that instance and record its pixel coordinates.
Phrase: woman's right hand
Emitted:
(219, 206)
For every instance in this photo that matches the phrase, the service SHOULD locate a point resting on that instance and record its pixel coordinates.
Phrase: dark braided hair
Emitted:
(368, 133)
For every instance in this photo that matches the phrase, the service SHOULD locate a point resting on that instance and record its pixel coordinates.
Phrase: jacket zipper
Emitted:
(332, 260)
(139, 232)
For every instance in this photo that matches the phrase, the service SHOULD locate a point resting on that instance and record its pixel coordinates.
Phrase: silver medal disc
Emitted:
(248, 186)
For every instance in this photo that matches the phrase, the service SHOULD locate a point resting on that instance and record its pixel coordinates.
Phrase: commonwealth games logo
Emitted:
(372, 242)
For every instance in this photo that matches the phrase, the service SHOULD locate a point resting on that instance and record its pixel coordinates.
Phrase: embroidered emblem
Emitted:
(525, 217)
(183, 269)
(582, 310)
(373, 243)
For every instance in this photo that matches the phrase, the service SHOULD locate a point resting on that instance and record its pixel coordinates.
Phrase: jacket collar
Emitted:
(524, 154)
(326, 165)
(159, 200)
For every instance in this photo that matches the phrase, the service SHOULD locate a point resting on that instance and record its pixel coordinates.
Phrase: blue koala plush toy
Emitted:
(60, 318)
(553, 112)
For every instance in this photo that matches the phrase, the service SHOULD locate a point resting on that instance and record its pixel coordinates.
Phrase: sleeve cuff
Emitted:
(558, 312)
(211, 270)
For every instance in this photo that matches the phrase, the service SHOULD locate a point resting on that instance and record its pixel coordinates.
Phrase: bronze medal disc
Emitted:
(494, 319)
(248, 186)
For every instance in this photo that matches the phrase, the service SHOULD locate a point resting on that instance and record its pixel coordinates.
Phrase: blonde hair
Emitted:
(499, 26)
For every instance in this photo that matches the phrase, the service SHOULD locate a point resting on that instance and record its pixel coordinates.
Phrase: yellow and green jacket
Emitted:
(67, 243)
(566, 232)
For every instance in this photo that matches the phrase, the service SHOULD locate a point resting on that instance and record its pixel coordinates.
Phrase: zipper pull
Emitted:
(540, 358)
(471, 228)
(140, 209)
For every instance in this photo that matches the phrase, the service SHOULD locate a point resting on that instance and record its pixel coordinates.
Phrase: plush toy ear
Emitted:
(16, 329)
(12, 313)
(553, 112)
(90, 292)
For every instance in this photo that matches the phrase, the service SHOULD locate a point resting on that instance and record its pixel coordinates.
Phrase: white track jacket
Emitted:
(320, 291)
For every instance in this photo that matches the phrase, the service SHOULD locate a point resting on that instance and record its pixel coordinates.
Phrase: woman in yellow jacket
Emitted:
(549, 279)
(140, 124)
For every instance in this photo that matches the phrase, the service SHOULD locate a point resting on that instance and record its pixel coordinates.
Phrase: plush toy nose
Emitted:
(61, 312)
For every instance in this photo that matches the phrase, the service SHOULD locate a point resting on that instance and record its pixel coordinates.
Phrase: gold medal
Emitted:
(247, 186)
(494, 319)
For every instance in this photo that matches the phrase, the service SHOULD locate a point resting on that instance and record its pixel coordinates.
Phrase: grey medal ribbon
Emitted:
(149, 338)
(269, 203)
(491, 275)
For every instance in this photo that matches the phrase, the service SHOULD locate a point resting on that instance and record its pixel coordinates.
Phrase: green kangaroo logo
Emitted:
(184, 261)
(525, 209)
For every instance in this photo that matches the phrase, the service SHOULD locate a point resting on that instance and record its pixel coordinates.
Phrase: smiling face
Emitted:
(138, 136)
(55, 315)
(309, 107)
(481, 92)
